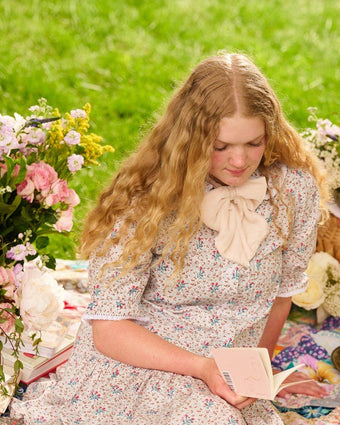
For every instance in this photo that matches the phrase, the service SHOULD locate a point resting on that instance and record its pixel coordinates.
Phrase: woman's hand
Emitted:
(311, 388)
(211, 375)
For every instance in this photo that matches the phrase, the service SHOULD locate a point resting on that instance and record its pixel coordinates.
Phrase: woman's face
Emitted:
(238, 149)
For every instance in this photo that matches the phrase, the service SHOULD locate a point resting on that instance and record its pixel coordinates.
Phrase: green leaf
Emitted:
(2, 375)
(36, 342)
(51, 262)
(19, 326)
(42, 242)
(22, 171)
(10, 165)
(18, 365)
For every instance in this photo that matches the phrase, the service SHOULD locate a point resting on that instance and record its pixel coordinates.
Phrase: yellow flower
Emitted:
(324, 372)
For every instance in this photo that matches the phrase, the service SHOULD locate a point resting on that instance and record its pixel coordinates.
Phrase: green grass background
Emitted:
(126, 58)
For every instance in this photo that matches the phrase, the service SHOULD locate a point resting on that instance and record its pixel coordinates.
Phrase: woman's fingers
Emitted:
(245, 403)
(311, 388)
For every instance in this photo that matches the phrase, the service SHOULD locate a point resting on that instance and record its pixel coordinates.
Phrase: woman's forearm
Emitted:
(130, 343)
(277, 317)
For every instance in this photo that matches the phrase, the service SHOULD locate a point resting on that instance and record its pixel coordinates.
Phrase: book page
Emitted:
(281, 376)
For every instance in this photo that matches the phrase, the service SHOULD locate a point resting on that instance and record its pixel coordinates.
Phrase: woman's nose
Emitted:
(237, 158)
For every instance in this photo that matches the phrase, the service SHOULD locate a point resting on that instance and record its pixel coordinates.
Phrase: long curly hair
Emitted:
(166, 175)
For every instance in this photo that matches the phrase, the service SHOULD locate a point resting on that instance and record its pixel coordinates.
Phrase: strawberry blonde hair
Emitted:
(166, 175)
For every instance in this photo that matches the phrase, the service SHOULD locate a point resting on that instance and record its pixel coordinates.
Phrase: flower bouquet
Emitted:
(39, 154)
(324, 142)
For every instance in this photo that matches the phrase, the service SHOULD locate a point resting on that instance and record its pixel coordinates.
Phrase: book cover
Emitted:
(248, 371)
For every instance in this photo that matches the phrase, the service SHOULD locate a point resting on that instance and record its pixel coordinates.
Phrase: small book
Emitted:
(248, 371)
(38, 366)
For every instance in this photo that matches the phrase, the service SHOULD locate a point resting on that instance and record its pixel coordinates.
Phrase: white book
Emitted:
(248, 371)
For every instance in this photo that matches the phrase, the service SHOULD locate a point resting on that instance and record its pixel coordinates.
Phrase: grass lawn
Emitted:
(126, 56)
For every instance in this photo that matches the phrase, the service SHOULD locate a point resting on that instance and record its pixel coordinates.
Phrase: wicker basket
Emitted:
(329, 237)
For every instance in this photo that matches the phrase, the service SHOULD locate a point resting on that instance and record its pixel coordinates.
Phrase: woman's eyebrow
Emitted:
(249, 141)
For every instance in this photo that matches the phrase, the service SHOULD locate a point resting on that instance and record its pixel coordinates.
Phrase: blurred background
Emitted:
(126, 57)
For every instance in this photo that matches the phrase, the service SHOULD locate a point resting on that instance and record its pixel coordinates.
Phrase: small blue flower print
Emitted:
(180, 285)
(228, 343)
(156, 387)
(40, 420)
(133, 289)
(214, 320)
(200, 274)
(75, 399)
(100, 410)
(214, 287)
(216, 255)
(120, 304)
(232, 420)
(115, 373)
(162, 266)
(95, 395)
(187, 420)
(208, 402)
(96, 290)
(236, 274)
(116, 389)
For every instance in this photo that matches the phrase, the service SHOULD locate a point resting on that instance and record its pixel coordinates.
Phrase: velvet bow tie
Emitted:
(230, 210)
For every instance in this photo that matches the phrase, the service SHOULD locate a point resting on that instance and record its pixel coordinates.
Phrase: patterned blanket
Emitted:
(302, 342)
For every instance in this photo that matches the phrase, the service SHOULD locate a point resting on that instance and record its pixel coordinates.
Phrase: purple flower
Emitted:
(78, 113)
(20, 252)
(72, 138)
(75, 162)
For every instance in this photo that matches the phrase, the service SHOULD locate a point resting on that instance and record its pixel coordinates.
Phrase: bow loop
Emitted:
(230, 210)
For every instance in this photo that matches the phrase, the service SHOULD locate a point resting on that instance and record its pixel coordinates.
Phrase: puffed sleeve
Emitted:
(302, 241)
(115, 298)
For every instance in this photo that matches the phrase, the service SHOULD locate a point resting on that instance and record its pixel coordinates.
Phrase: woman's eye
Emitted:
(257, 144)
(219, 149)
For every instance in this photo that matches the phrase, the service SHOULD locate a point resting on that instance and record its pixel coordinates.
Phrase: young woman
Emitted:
(200, 241)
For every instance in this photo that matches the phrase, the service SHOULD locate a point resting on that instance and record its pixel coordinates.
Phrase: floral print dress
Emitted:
(216, 303)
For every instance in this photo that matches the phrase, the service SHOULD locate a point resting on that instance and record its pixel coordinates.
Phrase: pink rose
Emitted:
(72, 198)
(42, 175)
(7, 276)
(65, 222)
(8, 282)
(8, 325)
(58, 192)
(26, 190)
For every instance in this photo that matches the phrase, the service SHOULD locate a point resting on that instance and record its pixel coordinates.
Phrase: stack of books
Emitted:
(56, 343)
(54, 349)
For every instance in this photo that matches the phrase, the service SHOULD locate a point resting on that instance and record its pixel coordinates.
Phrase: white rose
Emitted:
(39, 297)
(313, 296)
(323, 260)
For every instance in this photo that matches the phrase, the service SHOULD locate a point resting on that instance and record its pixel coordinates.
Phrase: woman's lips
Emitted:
(236, 172)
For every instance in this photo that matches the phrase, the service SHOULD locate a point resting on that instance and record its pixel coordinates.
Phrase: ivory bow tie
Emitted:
(231, 211)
